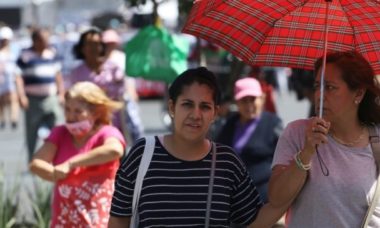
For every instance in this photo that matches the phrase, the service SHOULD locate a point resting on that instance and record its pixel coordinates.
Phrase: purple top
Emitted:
(111, 78)
(242, 133)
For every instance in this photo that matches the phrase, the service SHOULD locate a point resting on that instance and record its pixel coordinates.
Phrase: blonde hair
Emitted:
(97, 99)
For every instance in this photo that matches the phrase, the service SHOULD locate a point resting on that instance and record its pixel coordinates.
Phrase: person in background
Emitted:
(97, 68)
(81, 158)
(340, 197)
(252, 132)
(43, 94)
(8, 73)
(132, 119)
(175, 188)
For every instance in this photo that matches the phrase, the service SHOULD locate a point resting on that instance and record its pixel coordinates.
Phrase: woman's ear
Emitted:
(171, 108)
(216, 114)
(360, 94)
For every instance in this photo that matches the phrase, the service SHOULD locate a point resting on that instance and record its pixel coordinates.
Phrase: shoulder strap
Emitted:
(374, 139)
(143, 168)
(210, 186)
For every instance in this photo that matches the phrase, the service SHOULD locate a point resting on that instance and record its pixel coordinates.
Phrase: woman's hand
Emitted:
(61, 171)
(316, 133)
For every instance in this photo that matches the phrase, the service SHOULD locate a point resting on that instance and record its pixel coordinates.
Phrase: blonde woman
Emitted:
(82, 157)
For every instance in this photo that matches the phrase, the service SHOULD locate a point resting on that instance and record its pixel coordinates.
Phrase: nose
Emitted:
(317, 94)
(69, 116)
(196, 113)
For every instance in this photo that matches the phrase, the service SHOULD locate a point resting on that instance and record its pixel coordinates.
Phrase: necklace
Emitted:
(349, 144)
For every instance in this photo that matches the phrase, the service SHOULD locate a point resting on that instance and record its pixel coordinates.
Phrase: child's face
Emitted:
(77, 110)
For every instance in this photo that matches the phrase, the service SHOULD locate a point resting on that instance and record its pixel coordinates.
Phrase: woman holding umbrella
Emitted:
(340, 197)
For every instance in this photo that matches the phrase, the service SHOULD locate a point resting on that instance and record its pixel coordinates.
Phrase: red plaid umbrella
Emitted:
(288, 33)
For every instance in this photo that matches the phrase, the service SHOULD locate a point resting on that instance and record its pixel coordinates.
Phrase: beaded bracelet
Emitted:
(299, 163)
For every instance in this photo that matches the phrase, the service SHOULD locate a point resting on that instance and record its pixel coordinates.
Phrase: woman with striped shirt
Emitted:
(175, 188)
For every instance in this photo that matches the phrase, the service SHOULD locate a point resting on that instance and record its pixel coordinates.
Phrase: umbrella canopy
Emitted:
(288, 33)
(155, 54)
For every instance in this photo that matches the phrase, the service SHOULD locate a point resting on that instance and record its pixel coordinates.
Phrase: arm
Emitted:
(287, 180)
(285, 184)
(41, 162)
(268, 216)
(111, 149)
(118, 222)
(131, 89)
(20, 88)
(60, 87)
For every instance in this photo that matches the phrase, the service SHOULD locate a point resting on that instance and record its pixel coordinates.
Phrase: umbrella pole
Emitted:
(322, 83)
(322, 164)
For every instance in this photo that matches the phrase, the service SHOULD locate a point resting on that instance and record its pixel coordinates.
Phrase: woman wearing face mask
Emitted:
(82, 157)
(96, 67)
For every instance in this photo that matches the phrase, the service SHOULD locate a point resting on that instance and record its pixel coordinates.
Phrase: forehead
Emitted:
(41, 36)
(247, 98)
(197, 92)
(332, 73)
(76, 103)
(92, 37)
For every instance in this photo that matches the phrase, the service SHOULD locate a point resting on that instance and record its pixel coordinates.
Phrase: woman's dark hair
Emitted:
(77, 49)
(200, 75)
(358, 73)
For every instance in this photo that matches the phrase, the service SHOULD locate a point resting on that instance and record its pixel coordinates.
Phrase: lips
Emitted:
(192, 125)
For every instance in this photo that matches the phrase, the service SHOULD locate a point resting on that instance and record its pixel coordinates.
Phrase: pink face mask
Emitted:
(79, 128)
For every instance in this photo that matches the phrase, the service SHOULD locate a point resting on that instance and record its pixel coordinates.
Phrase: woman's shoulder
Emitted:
(226, 153)
(109, 128)
(109, 65)
(133, 156)
(59, 129)
(78, 73)
(270, 121)
(58, 134)
(295, 129)
(229, 160)
(110, 131)
(80, 68)
(296, 124)
(270, 116)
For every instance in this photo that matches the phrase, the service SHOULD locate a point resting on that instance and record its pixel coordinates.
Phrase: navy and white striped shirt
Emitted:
(39, 71)
(174, 192)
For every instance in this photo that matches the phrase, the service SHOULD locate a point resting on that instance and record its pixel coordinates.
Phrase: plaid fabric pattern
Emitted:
(288, 33)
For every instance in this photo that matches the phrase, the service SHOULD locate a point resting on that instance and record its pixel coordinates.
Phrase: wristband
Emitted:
(300, 165)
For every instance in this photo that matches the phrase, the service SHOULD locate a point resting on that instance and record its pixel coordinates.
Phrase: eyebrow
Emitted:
(326, 81)
(189, 100)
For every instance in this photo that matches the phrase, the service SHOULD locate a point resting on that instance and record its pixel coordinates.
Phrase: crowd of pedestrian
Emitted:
(218, 166)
